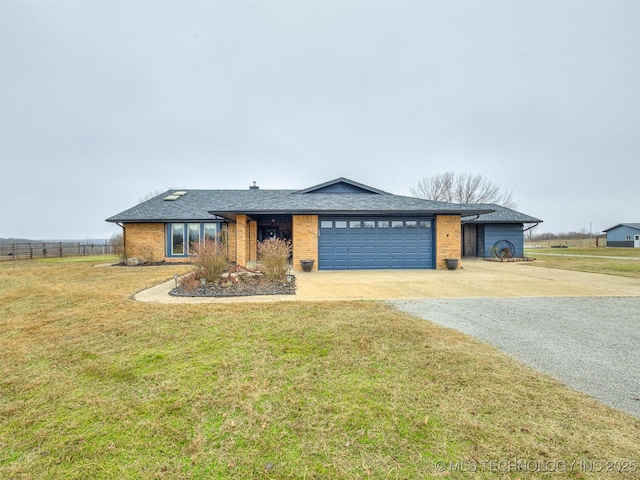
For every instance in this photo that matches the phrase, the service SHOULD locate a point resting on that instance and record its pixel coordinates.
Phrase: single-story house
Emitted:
(502, 228)
(339, 224)
(623, 235)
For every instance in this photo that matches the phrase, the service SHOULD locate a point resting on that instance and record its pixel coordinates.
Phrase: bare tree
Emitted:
(462, 188)
(150, 195)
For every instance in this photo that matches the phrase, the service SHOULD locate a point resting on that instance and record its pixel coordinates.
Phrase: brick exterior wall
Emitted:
(143, 239)
(448, 239)
(305, 240)
(252, 253)
(231, 241)
(149, 238)
(242, 239)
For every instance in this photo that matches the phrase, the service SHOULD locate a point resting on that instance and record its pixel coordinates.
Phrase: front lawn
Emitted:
(592, 260)
(96, 385)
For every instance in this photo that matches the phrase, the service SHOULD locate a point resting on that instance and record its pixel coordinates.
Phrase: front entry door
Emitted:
(469, 240)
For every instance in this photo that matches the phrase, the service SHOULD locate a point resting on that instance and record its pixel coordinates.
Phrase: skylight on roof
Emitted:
(176, 195)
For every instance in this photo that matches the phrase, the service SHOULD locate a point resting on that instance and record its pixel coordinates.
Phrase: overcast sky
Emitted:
(104, 102)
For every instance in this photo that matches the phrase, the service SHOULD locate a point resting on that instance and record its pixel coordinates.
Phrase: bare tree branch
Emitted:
(463, 188)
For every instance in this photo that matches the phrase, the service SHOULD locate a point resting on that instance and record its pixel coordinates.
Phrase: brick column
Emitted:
(242, 239)
(252, 252)
(305, 240)
(447, 239)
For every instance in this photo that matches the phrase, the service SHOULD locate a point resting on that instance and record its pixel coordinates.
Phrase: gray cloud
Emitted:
(105, 101)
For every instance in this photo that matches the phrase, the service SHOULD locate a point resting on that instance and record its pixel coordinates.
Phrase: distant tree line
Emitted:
(582, 235)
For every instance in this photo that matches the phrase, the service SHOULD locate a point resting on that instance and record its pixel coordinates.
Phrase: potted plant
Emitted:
(307, 265)
(452, 263)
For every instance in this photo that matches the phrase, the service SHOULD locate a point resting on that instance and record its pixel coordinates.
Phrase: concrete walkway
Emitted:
(478, 278)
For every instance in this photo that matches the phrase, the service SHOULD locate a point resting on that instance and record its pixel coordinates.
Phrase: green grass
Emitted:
(96, 385)
(597, 251)
(581, 259)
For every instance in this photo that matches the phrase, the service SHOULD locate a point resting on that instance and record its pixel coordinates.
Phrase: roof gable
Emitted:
(342, 185)
(635, 226)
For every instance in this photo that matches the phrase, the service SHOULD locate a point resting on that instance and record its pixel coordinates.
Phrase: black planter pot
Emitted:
(452, 263)
(307, 265)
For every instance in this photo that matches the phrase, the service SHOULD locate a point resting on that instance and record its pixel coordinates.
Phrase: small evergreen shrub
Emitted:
(273, 256)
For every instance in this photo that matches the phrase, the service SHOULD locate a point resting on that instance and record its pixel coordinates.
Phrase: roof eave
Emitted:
(232, 214)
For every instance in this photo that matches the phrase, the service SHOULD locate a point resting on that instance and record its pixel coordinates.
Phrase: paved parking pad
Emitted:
(590, 344)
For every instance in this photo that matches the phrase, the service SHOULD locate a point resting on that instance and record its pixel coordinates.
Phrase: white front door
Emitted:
(636, 241)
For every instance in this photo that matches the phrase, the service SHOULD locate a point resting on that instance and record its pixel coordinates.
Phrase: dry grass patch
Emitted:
(96, 385)
(582, 260)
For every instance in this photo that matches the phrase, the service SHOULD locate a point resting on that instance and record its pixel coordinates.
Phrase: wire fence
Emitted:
(29, 251)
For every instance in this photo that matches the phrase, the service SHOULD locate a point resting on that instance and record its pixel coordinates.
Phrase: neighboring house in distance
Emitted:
(481, 233)
(623, 235)
(340, 224)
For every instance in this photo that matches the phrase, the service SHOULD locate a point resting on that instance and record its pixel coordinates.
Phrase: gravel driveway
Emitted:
(591, 344)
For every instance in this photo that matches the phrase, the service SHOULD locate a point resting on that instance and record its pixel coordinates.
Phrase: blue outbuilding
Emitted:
(500, 233)
(623, 235)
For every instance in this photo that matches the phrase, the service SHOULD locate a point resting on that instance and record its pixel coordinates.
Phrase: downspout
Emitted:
(124, 240)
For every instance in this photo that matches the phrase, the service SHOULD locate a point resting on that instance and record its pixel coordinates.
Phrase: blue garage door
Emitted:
(375, 243)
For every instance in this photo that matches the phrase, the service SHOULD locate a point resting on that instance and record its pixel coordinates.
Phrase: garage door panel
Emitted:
(376, 246)
(369, 237)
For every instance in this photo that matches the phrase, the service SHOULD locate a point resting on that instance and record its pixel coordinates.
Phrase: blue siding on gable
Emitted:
(619, 234)
(494, 232)
(341, 188)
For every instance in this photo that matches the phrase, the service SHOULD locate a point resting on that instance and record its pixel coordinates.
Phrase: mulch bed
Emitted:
(248, 286)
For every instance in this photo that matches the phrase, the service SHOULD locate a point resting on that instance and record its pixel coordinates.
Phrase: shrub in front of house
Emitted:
(146, 254)
(273, 256)
(210, 259)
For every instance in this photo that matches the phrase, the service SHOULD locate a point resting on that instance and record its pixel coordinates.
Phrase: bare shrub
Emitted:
(116, 242)
(191, 281)
(210, 259)
(145, 253)
(273, 256)
(128, 251)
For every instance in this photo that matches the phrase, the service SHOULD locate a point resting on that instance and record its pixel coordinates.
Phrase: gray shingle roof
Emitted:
(203, 205)
(631, 225)
(500, 215)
